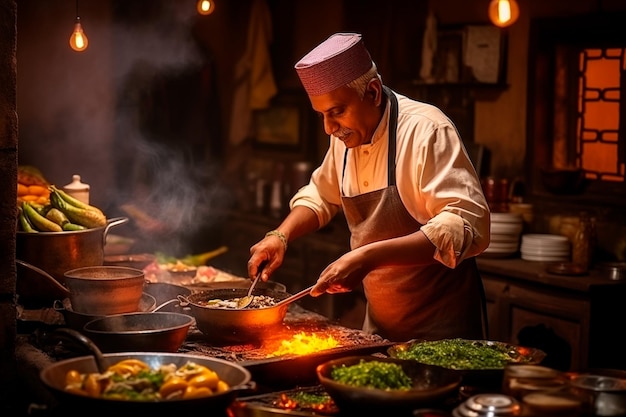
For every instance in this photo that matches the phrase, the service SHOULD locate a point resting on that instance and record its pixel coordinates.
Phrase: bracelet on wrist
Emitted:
(279, 235)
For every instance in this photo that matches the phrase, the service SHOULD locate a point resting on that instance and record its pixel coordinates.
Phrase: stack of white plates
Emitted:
(505, 232)
(545, 248)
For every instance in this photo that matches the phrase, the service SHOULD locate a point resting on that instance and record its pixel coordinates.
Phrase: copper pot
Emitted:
(225, 326)
(56, 253)
(105, 290)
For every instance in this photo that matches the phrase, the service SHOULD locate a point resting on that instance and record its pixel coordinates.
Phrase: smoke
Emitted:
(134, 114)
(164, 125)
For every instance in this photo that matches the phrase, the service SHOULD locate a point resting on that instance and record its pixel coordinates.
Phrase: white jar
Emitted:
(77, 189)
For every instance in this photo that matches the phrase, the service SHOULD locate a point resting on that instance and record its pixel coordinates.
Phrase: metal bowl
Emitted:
(431, 385)
(481, 377)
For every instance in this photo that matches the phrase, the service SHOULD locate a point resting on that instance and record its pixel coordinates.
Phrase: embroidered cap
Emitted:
(337, 61)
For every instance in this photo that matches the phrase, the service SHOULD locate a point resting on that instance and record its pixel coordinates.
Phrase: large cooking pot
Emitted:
(53, 376)
(57, 253)
(224, 326)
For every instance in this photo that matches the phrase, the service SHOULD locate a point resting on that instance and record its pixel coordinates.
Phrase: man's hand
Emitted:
(267, 254)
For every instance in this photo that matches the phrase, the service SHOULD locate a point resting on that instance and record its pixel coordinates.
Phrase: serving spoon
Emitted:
(245, 301)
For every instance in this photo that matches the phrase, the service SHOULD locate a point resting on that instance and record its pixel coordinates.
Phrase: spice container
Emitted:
(77, 189)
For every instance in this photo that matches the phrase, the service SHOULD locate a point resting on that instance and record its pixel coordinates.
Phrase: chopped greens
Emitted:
(461, 354)
(373, 374)
(307, 399)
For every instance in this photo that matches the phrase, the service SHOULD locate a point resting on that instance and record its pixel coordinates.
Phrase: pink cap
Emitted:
(337, 61)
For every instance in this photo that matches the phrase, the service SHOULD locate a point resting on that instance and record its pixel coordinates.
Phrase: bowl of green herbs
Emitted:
(366, 382)
(480, 362)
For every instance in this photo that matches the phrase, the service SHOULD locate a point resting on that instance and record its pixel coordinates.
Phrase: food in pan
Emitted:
(134, 380)
(462, 354)
(258, 301)
(372, 374)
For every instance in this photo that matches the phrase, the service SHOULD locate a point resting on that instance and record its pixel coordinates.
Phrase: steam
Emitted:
(162, 126)
(131, 114)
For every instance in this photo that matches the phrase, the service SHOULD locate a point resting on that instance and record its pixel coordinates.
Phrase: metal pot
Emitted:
(139, 332)
(53, 376)
(235, 326)
(104, 289)
(57, 253)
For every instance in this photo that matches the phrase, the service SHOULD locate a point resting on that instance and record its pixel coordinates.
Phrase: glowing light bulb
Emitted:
(503, 13)
(205, 7)
(78, 40)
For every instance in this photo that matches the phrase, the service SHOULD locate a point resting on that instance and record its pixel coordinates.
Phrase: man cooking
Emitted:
(398, 170)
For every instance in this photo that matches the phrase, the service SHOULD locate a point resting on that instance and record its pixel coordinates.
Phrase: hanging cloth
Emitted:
(254, 81)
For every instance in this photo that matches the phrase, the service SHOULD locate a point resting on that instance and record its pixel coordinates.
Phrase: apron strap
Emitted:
(393, 124)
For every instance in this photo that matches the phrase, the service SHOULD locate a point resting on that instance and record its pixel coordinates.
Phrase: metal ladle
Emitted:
(245, 301)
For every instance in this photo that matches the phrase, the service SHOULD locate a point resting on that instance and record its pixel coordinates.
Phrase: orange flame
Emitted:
(303, 344)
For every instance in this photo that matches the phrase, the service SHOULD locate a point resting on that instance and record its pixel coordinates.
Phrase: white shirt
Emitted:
(434, 174)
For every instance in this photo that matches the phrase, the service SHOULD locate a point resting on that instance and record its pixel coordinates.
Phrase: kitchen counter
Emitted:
(576, 319)
(535, 272)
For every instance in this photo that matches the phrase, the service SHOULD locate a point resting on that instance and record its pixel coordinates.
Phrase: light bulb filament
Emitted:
(205, 7)
(504, 11)
(78, 39)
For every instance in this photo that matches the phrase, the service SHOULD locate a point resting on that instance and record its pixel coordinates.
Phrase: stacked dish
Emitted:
(545, 248)
(506, 229)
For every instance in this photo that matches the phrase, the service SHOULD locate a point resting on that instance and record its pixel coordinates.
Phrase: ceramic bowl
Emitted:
(431, 385)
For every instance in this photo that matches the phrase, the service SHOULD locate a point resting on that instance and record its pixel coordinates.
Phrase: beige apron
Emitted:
(414, 302)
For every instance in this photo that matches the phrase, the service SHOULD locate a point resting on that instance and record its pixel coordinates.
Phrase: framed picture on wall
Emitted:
(283, 125)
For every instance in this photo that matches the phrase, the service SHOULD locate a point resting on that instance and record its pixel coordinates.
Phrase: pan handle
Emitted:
(75, 336)
(184, 301)
(115, 221)
(295, 297)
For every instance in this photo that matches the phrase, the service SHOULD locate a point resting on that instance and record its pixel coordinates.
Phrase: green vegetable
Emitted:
(310, 400)
(461, 354)
(25, 224)
(373, 374)
(191, 260)
(38, 221)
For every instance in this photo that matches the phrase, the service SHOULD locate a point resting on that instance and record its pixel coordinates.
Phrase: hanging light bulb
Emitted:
(205, 7)
(503, 13)
(78, 39)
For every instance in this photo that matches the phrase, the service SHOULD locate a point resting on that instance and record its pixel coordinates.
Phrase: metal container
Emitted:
(105, 290)
(613, 270)
(488, 405)
(58, 252)
(601, 395)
